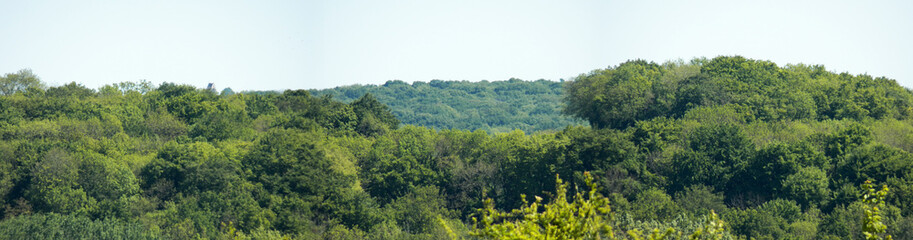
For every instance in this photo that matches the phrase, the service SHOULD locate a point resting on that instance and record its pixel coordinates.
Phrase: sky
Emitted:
(276, 45)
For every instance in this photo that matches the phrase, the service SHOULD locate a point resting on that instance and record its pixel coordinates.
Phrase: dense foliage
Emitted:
(753, 90)
(737, 147)
(498, 106)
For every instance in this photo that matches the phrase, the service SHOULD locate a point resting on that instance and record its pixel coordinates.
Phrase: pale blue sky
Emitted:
(272, 45)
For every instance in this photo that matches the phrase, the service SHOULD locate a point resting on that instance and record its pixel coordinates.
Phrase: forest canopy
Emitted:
(496, 107)
(722, 148)
(757, 90)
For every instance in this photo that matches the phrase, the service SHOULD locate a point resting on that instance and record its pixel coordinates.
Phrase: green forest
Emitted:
(719, 148)
(496, 107)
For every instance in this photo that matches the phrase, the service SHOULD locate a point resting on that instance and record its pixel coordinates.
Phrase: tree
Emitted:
(9, 172)
(838, 144)
(872, 226)
(874, 161)
(808, 186)
(417, 211)
(227, 92)
(700, 200)
(305, 110)
(399, 162)
(227, 119)
(162, 124)
(54, 187)
(108, 182)
(70, 90)
(373, 117)
(57, 226)
(755, 224)
(715, 154)
(170, 171)
(654, 134)
(20, 81)
(585, 217)
(294, 162)
(123, 88)
(183, 101)
(614, 97)
(775, 162)
(654, 204)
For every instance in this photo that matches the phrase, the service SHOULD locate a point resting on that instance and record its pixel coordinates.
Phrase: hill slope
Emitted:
(498, 106)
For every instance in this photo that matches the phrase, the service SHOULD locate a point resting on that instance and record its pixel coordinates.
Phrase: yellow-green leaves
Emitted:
(586, 217)
(873, 228)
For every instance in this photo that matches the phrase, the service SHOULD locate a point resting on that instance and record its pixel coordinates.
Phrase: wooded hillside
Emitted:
(722, 148)
(498, 106)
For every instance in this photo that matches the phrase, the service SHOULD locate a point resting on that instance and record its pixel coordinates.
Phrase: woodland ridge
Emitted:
(721, 148)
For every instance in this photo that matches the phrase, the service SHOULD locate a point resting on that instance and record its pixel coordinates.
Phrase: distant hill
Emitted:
(498, 106)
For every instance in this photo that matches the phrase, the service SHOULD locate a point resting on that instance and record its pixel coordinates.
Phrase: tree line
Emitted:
(735, 147)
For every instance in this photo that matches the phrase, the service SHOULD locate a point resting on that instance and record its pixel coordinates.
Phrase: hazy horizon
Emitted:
(247, 45)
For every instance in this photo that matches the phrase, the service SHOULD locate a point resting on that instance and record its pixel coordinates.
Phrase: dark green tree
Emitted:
(294, 162)
(72, 89)
(614, 97)
(373, 117)
(399, 162)
(717, 155)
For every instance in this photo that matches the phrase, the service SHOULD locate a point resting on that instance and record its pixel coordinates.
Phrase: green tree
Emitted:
(20, 81)
(654, 204)
(401, 161)
(700, 200)
(655, 134)
(715, 154)
(112, 184)
(755, 224)
(305, 109)
(227, 92)
(72, 90)
(227, 119)
(162, 124)
(183, 101)
(808, 186)
(291, 161)
(872, 226)
(585, 217)
(417, 211)
(373, 117)
(170, 171)
(838, 144)
(57, 226)
(105, 178)
(775, 162)
(54, 186)
(614, 97)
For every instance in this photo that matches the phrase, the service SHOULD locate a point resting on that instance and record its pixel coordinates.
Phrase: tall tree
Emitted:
(20, 81)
